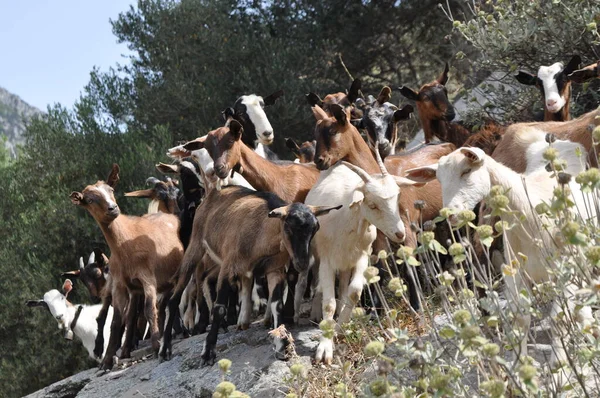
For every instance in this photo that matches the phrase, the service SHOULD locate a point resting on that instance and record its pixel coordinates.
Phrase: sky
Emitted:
(49, 47)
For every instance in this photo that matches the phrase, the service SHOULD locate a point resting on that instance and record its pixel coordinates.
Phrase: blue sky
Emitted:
(49, 47)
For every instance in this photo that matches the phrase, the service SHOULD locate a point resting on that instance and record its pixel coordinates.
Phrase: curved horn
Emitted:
(361, 173)
(92, 258)
(380, 161)
(152, 180)
(81, 265)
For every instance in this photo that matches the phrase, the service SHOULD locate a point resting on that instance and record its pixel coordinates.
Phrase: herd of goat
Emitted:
(249, 230)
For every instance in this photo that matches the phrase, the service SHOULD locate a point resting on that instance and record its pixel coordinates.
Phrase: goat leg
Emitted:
(219, 313)
(101, 320)
(130, 331)
(119, 299)
(152, 314)
(277, 281)
(288, 313)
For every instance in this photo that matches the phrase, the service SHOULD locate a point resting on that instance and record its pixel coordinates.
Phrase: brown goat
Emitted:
(436, 112)
(343, 99)
(512, 149)
(584, 74)
(290, 181)
(241, 228)
(145, 253)
(304, 153)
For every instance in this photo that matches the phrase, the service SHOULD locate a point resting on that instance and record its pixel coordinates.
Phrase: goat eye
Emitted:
(372, 206)
(464, 173)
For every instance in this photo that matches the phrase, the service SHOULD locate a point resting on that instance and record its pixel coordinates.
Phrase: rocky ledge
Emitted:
(254, 371)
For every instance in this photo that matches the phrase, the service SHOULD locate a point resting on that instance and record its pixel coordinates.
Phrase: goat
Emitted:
(588, 73)
(74, 319)
(163, 196)
(248, 110)
(290, 181)
(554, 83)
(380, 120)
(96, 277)
(512, 149)
(343, 99)
(304, 153)
(267, 231)
(436, 112)
(467, 176)
(343, 243)
(145, 253)
(206, 173)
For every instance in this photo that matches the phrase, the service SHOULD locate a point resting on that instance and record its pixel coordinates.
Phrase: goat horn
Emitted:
(379, 160)
(81, 265)
(152, 180)
(92, 258)
(361, 173)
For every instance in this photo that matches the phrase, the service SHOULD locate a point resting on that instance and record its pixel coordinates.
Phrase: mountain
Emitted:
(14, 112)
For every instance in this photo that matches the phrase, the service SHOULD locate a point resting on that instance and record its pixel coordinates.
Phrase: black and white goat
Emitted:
(74, 319)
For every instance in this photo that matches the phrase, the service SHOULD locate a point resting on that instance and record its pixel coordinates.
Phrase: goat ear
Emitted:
(144, 193)
(358, 123)
(67, 286)
(36, 303)
(403, 113)
(526, 78)
(236, 129)
(573, 65)
(407, 182)
(422, 174)
(292, 146)
(113, 177)
(77, 198)
(473, 155)
(227, 113)
(384, 95)
(167, 168)
(339, 113)
(72, 274)
(409, 93)
(319, 113)
(585, 74)
(99, 257)
(322, 210)
(270, 100)
(354, 89)
(280, 212)
(178, 152)
(314, 100)
(357, 198)
(443, 77)
(194, 145)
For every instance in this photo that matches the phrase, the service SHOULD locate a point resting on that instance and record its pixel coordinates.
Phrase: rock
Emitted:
(254, 371)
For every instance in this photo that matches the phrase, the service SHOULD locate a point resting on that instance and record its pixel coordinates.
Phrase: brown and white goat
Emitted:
(243, 228)
(380, 120)
(290, 181)
(145, 253)
(554, 82)
(512, 149)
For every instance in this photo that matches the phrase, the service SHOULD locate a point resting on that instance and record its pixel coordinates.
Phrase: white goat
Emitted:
(78, 319)
(467, 176)
(343, 243)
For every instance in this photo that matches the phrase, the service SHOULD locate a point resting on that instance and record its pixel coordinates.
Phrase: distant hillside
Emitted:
(13, 114)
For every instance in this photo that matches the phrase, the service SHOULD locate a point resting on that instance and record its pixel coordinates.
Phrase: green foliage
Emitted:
(43, 234)
(523, 34)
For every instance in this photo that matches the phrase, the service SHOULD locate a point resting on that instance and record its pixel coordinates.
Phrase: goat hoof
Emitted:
(107, 364)
(165, 353)
(199, 328)
(208, 358)
(243, 326)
